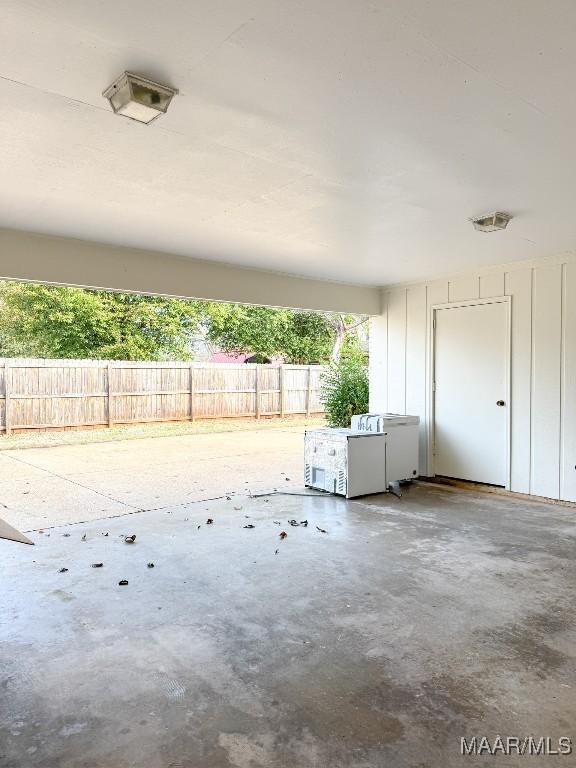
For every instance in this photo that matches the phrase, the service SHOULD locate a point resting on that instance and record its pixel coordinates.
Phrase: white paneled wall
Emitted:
(543, 365)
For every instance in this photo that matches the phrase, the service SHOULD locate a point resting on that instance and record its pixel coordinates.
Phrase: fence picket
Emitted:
(60, 394)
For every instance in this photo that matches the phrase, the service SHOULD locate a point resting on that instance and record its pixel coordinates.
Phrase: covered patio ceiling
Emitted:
(333, 140)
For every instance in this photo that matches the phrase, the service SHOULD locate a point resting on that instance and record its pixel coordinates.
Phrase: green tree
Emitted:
(54, 321)
(299, 336)
(344, 390)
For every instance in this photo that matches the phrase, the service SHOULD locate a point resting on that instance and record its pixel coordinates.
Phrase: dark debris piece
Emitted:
(277, 522)
(276, 551)
(130, 539)
(63, 570)
(304, 523)
(283, 535)
(249, 526)
(287, 478)
(97, 565)
(84, 537)
(66, 535)
(123, 583)
(209, 521)
(293, 523)
(321, 530)
(105, 534)
(150, 565)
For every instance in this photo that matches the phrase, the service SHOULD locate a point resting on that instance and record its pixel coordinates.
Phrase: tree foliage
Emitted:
(298, 336)
(54, 321)
(61, 322)
(344, 389)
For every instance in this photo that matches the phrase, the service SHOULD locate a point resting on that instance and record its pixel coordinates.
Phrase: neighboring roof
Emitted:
(229, 357)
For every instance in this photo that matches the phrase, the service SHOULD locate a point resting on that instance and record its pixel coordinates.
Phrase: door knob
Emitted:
(500, 403)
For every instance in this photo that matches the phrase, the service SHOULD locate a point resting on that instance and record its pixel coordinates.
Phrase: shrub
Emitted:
(344, 390)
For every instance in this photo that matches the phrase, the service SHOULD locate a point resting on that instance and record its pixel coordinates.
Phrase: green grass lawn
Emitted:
(36, 439)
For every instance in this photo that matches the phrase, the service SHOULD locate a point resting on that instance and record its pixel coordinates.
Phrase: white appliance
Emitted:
(401, 444)
(345, 462)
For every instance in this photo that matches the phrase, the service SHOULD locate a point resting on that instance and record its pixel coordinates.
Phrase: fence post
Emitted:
(8, 428)
(109, 393)
(309, 391)
(192, 415)
(257, 392)
(282, 406)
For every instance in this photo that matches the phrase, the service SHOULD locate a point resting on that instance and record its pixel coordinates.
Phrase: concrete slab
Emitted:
(74, 483)
(17, 470)
(411, 623)
(48, 500)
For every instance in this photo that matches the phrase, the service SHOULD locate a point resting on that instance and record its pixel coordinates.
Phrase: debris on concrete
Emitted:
(283, 535)
(293, 523)
(249, 526)
(276, 522)
(321, 529)
(237, 509)
(209, 521)
(66, 535)
(105, 534)
(123, 583)
(130, 539)
(304, 523)
(150, 565)
(63, 570)
(97, 565)
(84, 537)
(276, 551)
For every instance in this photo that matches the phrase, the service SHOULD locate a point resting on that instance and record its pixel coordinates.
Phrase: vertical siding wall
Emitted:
(543, 365)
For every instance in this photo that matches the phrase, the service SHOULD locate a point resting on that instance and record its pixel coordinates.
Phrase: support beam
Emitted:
(65, 261)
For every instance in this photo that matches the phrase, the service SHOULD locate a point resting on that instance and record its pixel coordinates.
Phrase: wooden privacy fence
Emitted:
(59, 394)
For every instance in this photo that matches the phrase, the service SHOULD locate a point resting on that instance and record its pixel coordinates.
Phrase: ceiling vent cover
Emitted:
(139, 98)
(492, 222)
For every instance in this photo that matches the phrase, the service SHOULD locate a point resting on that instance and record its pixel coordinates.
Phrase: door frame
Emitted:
(431, 353)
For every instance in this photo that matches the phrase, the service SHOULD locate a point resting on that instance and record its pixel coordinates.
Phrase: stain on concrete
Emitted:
(417, 621)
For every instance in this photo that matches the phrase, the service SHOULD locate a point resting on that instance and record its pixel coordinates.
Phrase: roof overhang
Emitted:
(66, 261)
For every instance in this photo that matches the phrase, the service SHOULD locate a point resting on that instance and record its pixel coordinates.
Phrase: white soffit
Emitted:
(351, 141)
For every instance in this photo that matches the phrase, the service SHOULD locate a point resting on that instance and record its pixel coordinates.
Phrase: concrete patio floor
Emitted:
(41, 487)
(409, 624)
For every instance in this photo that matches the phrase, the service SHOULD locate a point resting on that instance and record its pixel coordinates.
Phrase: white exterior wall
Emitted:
(543, 365)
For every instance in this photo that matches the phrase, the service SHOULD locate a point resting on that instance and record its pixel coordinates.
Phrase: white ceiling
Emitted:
(345, 139)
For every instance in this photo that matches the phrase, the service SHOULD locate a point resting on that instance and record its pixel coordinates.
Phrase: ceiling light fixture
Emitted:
(491, 222)
(138, 98)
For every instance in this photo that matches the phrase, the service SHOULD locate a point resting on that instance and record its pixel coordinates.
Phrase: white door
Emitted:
(470, 407)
